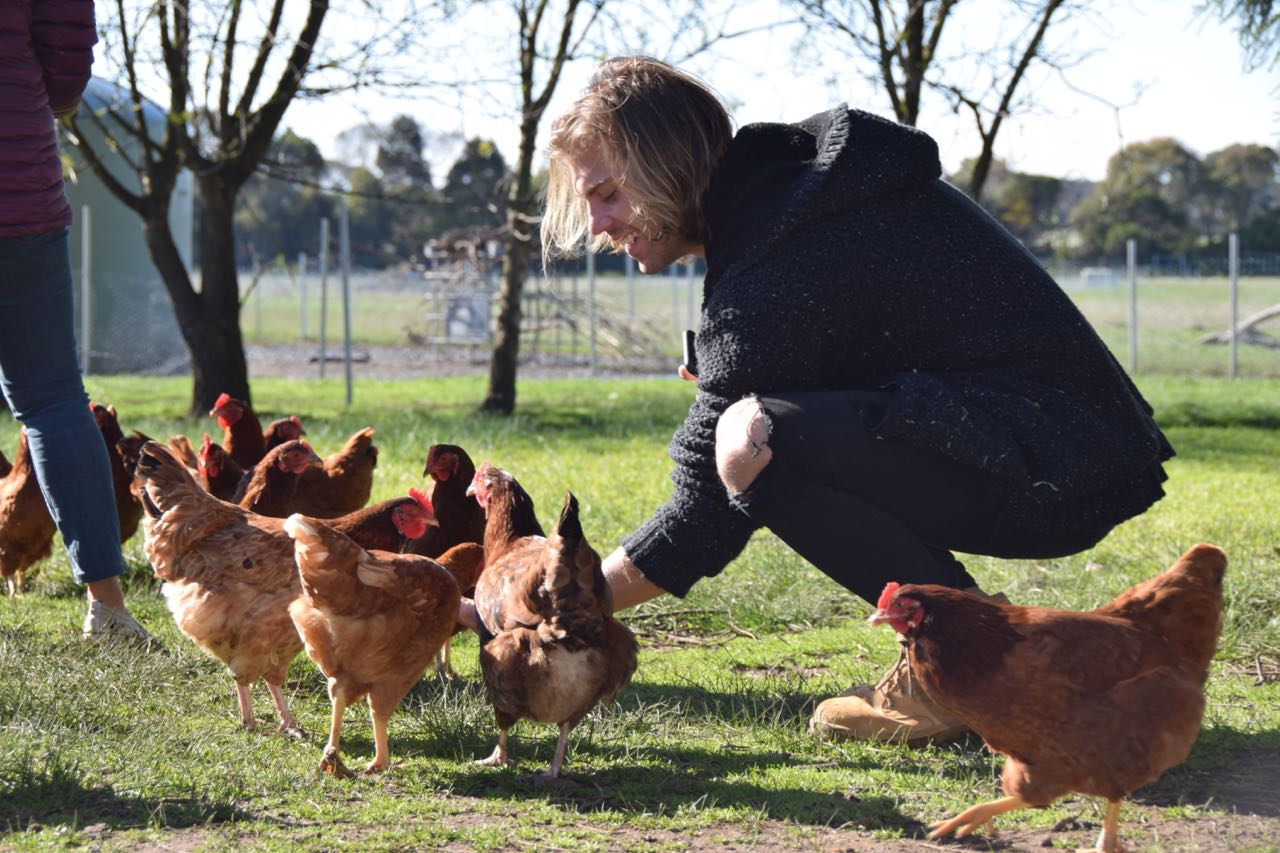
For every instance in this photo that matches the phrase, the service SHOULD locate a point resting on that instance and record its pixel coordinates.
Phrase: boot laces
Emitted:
(898, 680)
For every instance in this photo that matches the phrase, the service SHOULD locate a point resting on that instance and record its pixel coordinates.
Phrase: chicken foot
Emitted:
(1107, 841)
(331, 760)
(381, 749)
(16, 582)
(499, 756)
(975, 816)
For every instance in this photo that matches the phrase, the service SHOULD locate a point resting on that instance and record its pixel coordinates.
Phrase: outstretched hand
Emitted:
(467, 615)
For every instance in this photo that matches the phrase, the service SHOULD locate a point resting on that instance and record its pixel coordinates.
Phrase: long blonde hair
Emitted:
(661, 131)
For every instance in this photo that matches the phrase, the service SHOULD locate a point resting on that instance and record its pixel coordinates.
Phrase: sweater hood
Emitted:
(775, 177)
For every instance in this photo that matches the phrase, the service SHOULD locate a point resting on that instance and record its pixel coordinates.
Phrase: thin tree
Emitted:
(230, 70)
(541, 53)
(900, 44)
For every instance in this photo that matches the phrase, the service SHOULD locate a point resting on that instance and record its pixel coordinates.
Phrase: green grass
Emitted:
(110, 747)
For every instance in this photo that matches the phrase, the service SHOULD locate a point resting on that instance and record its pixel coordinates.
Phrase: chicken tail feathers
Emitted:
(1182, 604)
(573, 581)
(319, 549)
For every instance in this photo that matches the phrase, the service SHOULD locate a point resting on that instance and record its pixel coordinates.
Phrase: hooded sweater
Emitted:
(839, 259)
(47, 47)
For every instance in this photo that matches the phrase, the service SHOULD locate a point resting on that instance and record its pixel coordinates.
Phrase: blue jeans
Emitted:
(40, 376)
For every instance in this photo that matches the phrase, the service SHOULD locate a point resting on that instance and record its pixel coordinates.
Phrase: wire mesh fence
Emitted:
(611, 322)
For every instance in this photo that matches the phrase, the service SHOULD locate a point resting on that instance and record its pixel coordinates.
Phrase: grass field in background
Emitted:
(709, 739)
(1173, 315)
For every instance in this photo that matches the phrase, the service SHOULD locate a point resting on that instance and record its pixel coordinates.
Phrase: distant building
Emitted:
(132, 327)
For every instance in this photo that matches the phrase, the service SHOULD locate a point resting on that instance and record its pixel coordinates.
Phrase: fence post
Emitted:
(591, 311)
(344, 248)
(302, 292)
(1233, 277)
(1131, 264)
(631, 292)
(86, 288)
(324, 288)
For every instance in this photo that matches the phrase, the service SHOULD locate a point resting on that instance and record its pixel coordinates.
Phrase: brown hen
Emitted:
(272, 486)
(1098, 703)
(128, 507)
(344, 482)
(230, 574)
(241, 430)
(221, 474)
(550, 648)
(460, 519)
(26, 527)
(371, 620)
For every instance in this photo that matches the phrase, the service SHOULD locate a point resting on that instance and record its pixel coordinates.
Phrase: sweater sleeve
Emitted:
(63, 35)
(755, 337)
(698, 531)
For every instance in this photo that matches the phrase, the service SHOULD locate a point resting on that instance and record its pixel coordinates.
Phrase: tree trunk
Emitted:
(522, 217)
(217, 350)
(210, 319)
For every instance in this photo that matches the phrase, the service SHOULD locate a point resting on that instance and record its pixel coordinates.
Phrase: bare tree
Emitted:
(230, 70)
(552, 34)
(900, 44)
(548, 36)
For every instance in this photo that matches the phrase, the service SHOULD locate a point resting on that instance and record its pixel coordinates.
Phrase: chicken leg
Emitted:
(288, 725)
(975, 816)
(246, 707)
(331, 761)
(1107, 841)
(557, 761)
(380, 710)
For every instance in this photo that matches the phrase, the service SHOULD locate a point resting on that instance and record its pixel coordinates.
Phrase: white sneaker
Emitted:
(104, 621)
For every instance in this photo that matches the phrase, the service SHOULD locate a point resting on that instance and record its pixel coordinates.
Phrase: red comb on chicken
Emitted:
(423, 501)
(889, 589)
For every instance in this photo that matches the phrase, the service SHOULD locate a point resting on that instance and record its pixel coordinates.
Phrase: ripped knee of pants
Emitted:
(742, 444)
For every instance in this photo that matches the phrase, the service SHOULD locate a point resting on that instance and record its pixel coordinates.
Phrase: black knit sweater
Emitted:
(839, 259)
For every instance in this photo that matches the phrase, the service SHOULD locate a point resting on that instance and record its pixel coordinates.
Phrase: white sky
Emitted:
(1188, 70)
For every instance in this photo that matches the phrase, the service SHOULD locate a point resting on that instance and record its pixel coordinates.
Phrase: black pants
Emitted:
(868, 511)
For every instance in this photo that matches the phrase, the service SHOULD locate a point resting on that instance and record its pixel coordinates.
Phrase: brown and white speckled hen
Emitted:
(550, 647)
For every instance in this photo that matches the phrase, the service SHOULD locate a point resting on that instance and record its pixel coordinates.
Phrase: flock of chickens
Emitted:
(265, 550)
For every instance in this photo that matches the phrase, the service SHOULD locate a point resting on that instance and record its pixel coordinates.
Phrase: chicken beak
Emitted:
(880, 617)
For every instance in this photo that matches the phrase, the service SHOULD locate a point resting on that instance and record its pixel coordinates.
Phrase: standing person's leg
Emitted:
(40, 377)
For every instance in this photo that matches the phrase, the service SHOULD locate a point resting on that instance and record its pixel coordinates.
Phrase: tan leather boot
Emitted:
(896, 708)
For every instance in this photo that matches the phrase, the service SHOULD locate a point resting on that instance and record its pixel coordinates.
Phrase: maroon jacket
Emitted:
(47, 47)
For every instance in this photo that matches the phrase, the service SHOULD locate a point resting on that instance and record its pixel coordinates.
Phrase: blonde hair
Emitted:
(661, 131)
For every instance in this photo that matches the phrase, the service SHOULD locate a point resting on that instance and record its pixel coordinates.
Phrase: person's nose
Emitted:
(600, 218)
